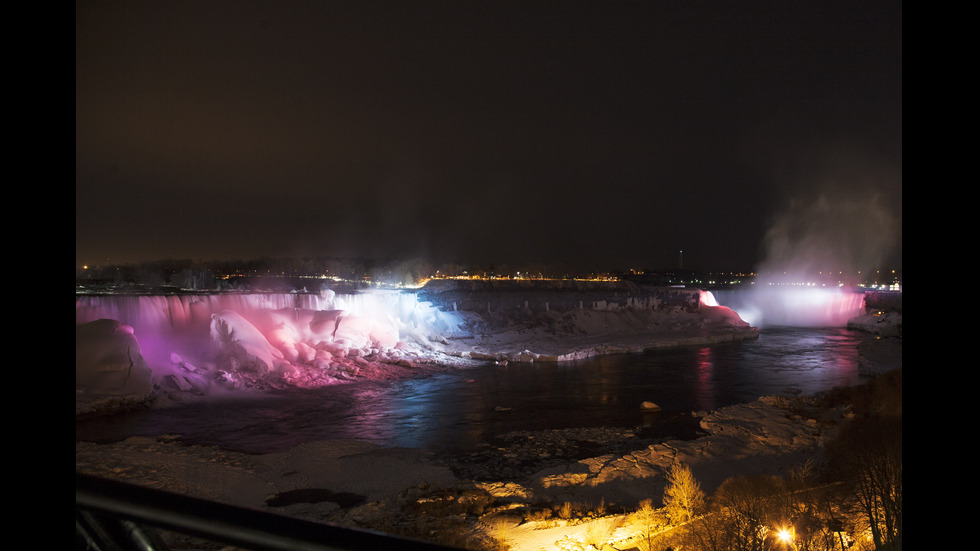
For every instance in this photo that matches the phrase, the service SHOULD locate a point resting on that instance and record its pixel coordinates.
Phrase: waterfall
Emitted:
(269, 328)
(794, 306)
(169, 316)
(708, 299)
(177, 313)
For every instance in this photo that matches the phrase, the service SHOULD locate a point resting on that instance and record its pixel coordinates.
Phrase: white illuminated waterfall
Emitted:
(794, 306)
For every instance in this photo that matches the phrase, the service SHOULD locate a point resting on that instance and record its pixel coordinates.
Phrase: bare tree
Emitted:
(650, 520)
(683, 498)
(749, 506)
(868, 456)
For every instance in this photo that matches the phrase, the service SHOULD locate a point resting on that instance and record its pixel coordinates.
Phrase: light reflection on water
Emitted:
(465, 408)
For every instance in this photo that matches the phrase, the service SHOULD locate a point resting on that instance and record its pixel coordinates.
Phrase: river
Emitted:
(469, 407)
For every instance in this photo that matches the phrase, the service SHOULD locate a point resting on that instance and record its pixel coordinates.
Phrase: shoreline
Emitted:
(544, 349)
(499, 492)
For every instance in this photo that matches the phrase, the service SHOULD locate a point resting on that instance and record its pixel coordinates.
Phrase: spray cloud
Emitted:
(825, 241)
(833, 233)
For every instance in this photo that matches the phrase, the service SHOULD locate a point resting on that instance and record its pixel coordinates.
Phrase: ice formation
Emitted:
(197, 341)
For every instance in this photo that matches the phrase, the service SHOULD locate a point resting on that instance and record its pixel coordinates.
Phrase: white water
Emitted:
(180, 314)
(794, 306)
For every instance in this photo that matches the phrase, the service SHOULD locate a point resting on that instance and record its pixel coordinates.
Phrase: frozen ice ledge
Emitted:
(559, 320)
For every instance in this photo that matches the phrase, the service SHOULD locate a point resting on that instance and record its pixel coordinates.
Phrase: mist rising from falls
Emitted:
(816, 250)
(829, 238)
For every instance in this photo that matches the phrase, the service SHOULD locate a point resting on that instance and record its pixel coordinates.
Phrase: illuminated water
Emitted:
(465, 408)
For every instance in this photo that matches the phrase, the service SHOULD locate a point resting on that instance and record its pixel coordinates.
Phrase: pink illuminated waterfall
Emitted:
(159, 321)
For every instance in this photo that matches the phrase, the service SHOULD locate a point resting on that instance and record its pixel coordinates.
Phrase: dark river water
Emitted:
(464, 408)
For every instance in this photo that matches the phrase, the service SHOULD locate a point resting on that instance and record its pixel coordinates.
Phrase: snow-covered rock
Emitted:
(242, 346)
(888, 324)
(360, 332)
(109, 366)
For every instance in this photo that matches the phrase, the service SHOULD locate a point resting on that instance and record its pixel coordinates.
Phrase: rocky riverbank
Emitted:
(511, 492)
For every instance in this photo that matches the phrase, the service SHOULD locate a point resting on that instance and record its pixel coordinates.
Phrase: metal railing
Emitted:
(116, 516)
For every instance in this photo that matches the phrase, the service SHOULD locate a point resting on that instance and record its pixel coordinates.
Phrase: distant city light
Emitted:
(224, 275)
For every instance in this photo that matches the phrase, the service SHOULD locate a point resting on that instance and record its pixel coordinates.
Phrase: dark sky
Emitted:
(604, 134)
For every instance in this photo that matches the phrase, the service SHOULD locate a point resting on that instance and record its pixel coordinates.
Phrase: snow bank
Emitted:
(242, 345)
(883, 324)
(109, 368)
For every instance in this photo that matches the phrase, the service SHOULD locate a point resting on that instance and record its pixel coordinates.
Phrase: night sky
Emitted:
(605, 134)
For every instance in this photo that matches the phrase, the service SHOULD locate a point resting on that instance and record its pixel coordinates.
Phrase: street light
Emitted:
(785, 536)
